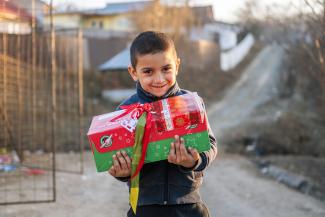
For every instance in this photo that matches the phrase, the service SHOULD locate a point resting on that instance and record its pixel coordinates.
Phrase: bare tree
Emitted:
(173, 19)
(310, 51)
(302, 27)
(315, 28)
(248, 17)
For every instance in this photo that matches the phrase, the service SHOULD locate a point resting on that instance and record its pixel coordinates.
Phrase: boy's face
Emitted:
(156, 72)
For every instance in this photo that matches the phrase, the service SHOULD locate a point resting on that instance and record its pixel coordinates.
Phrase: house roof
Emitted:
(103, 49)
(122, 7)
(26, 4)
(10, 11)
(120, 61)
(204, 14)
(118, 8)
(110, 9)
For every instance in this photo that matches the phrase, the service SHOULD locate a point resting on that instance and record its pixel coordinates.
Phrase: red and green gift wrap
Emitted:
(145, 132)
(182, 115)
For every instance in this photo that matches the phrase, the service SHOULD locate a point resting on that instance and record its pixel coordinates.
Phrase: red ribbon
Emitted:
(137, 109)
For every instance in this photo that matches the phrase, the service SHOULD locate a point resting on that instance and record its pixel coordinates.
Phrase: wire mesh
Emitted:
(69, 144)
(26, 153)
(41, 109)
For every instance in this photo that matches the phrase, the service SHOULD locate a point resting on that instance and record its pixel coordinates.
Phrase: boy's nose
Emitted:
(159, 78)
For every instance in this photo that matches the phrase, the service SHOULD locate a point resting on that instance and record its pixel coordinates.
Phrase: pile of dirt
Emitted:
(279, 128)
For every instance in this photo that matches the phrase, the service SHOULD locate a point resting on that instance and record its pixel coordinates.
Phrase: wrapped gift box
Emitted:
(182, 115)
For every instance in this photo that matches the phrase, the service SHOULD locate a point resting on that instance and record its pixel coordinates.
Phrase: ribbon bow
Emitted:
(137, 109)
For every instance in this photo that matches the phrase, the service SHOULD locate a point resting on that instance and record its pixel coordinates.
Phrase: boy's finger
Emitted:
(178, 153)
(172, 156)
(182, 141)
(125, 154)
(127, 159)
(176, 139)
(195, 154)
(116, 163)
(112, 171)
(122, 161)
(172, 148)
(183, 151)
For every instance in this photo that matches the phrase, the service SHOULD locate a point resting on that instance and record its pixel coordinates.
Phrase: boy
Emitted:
(170, 187)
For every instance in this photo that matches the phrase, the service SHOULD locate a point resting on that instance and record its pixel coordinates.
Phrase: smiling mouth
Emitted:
(159, 86)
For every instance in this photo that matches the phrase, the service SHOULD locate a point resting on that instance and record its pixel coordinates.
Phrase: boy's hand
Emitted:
(180, 155)
(121, 165)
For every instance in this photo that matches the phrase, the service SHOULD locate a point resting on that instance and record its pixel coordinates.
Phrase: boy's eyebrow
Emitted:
(166, 65)
(149, 68)
(146, 68)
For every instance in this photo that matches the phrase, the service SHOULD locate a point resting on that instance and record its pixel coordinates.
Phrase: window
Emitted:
(101, 25)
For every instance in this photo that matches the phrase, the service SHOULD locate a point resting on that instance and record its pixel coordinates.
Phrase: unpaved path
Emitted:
(232, 188)
(257, 85)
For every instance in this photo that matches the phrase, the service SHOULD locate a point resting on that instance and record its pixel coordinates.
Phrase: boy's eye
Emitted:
(167, 68)
(147, 71)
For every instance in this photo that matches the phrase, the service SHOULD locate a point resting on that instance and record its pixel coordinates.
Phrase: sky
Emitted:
(224, 10)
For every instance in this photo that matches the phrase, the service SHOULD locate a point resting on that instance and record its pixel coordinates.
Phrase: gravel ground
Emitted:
(232, 187)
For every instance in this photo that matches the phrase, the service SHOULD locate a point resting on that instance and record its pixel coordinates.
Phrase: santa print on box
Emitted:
(182, 115)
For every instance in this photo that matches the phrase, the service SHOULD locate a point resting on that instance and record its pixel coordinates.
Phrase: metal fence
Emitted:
(41, 105)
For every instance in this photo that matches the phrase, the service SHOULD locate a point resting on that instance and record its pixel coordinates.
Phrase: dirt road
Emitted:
(232, 188)
(257, 85)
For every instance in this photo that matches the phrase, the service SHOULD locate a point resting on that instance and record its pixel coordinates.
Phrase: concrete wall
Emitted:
(229, 59)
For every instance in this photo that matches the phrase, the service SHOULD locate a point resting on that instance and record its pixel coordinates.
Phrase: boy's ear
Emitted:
(133, 73)
(178, 62)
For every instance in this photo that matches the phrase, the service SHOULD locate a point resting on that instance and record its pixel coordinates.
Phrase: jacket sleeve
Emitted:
(123, 179)
(208, 156)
